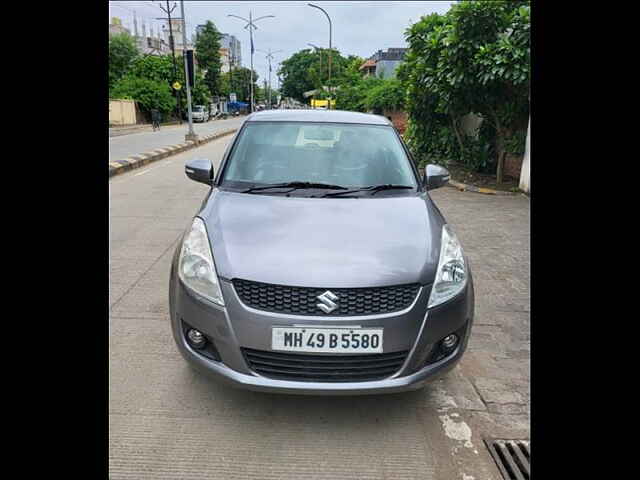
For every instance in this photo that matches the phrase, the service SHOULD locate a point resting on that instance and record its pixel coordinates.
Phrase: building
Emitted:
(176, 27)
(150, 44)
(116, 27)
(225, 60)
(232, 44)
(153, 46)
(384, 64)
(230, 54)
(229, 48)
(368, 68)
(147, 44)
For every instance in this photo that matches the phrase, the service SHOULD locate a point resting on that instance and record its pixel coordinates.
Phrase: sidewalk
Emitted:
(136, 161)
(143, 127)
(145, 140)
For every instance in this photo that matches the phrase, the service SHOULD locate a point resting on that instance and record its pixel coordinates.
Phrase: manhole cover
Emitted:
(511, 456)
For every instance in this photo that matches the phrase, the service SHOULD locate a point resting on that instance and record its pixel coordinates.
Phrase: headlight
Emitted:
(195, 266)
(451, 276)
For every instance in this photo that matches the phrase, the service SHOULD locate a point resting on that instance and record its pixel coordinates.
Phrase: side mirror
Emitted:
(200, 170)
(435, 176)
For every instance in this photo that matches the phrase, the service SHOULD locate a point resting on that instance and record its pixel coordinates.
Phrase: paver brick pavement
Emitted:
(167, 421)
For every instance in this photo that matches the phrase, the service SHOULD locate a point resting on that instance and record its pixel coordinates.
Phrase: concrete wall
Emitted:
(122, 112)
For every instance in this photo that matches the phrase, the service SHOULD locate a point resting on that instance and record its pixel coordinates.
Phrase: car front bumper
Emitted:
(416, 329)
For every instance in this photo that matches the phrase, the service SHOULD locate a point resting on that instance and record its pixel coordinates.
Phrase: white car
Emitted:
(200, 113)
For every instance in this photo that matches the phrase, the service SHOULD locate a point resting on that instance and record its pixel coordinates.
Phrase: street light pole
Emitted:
(251, 26)
(330, 52)
(191, 135)
(269, 57)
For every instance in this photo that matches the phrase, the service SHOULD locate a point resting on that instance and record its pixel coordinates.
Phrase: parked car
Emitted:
(318, 262)
(200, 113)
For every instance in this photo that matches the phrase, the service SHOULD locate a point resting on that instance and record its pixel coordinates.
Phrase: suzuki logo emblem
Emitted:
(327, 300)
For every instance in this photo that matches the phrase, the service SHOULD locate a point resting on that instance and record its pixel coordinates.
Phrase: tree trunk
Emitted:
(501, 155)
(500, 138)
(457, 133)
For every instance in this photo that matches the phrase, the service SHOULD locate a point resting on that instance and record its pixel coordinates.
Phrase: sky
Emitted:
(358, 27)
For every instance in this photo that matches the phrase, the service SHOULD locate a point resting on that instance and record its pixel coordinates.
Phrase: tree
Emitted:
(475, 59)
(237, 81)
(308, 70)
(122, 51)
(352, 96)
(298, 73)
(353, 87)
(207, 52)
(225, 84)
(386, 95)
(148, 93)
(200, 94)
(154, 67)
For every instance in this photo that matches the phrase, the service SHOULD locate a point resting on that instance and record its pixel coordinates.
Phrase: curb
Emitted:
(472, 188)
(120, 131)
(117, 167)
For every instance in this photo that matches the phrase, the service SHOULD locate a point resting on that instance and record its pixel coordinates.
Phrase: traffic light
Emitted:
(190, 70)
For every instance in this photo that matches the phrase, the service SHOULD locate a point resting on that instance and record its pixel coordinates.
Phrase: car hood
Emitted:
(324, 242)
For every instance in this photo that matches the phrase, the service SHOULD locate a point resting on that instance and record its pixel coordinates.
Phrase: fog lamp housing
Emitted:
(450, 341)
(196, 338)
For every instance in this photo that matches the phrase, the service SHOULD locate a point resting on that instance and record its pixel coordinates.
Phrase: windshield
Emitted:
(340, 154)
(198, 108)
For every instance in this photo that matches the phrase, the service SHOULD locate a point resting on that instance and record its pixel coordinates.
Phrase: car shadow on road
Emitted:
(309, 407)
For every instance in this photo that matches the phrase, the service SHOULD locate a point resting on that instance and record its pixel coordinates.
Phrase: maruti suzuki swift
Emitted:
(318, 263)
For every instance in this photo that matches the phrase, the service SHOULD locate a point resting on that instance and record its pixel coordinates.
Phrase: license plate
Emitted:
(327, 340)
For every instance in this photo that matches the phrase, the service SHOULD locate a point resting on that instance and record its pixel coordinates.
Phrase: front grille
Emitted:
(324, 368)
(303, 300)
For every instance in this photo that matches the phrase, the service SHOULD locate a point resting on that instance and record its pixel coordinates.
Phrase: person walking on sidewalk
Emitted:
(155, 118)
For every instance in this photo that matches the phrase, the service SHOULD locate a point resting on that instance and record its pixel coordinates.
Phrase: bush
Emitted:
(149, 94)
(440, 148)
(354, 96)
(475, 58)
(515, 143)
(387, 95)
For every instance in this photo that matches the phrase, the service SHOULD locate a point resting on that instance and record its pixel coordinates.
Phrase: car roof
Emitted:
(329, 116)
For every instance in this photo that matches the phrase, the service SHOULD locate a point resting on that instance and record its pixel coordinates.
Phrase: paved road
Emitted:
(166, 421)
(123, 146)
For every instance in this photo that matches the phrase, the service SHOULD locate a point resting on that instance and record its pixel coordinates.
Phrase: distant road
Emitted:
(126, 145)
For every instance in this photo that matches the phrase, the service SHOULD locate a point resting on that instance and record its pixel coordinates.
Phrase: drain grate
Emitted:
(511, 456)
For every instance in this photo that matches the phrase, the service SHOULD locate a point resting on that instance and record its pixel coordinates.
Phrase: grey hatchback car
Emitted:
(318, 263)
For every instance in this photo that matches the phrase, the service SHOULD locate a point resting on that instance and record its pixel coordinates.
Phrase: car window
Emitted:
(343, 154)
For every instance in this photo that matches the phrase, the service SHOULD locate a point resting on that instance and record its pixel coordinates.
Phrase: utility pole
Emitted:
(191, 135)
(173, 55)
(269, 57)
(251, 26)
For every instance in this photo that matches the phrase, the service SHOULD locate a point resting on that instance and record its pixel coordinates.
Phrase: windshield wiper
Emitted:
(372, 188)
(295, 186)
